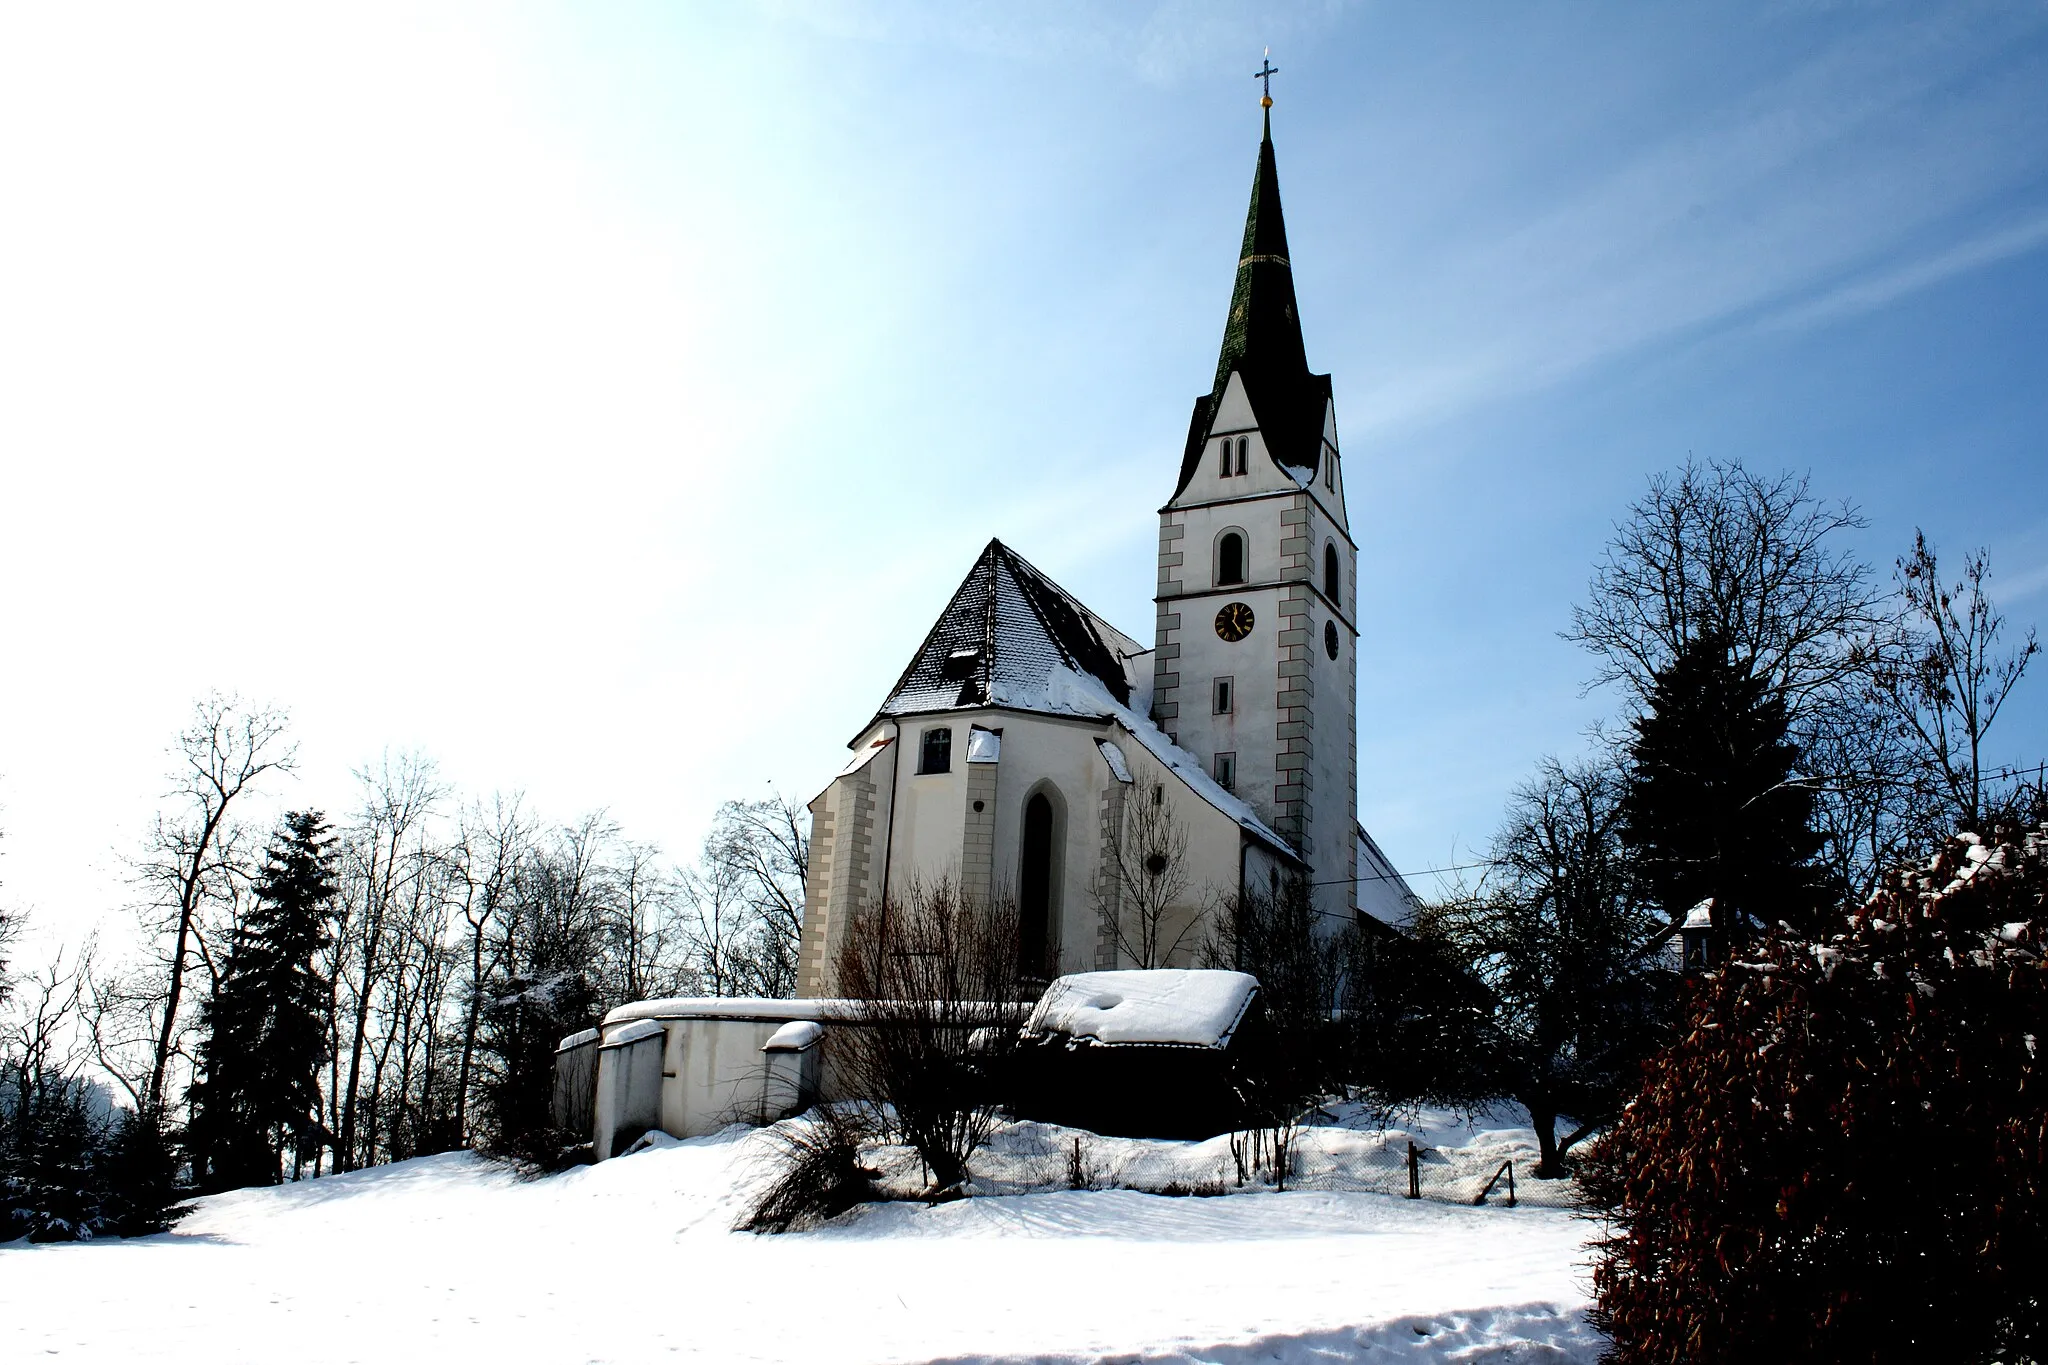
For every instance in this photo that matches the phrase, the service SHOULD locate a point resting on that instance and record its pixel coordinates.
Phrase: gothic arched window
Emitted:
(1038, 886)
(1230, 558)
(1330, 578)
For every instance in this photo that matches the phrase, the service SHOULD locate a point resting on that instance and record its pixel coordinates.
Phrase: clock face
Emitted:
(1235, 621)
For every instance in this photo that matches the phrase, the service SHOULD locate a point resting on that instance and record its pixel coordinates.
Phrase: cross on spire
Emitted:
(1264, 76)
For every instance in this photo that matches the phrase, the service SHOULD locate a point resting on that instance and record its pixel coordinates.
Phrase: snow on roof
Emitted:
(864, 756)
(1119, 767)
(729, 1007)
(633, 1032)
(794, 1036)
(1073, 694)
(1701, 916)
(764, 1009)
(1383, 892)
(1160, 1008)
(577, 1039)
(1035, 647)
(1005, 629)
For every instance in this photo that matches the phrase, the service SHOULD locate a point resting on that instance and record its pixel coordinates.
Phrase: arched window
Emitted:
(1230, 558)
(1035, 902)
(1244, 444)
(1330, 578)
(1224, 470)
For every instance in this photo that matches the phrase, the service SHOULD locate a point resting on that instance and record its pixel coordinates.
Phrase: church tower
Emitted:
(1256, 668)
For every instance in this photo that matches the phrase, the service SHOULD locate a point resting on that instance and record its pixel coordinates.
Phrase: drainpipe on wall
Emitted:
(895, 789)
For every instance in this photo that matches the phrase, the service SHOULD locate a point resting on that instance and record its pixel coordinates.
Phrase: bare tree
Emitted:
(1949, 680)
(41, 1042)
(1567, 952)
(191, 860)
(1144, 879)
(494, 845)
(10, 927)
(1751, 559)
(716, 925)
(383, 856)
(1874, 794)
(929, 978)
(648, 944)
(764, 848)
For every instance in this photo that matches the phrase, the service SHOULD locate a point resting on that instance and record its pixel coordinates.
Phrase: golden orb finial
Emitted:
(1265, 101)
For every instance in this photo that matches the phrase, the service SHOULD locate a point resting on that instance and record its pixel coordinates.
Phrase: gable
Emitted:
(1006, 638)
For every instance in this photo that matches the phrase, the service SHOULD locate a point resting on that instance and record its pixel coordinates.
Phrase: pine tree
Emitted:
(266, 1024)
(49, 1190)
(1713, 810)
(138, 1168)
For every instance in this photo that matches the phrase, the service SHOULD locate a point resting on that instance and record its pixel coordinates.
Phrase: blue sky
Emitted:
(604, 398)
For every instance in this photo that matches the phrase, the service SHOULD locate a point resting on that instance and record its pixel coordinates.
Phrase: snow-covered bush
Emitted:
(1844, 1154)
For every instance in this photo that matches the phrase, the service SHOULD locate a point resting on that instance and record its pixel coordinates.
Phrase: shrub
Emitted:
(1842, 1155)
(930, 1033)
(818, 1171)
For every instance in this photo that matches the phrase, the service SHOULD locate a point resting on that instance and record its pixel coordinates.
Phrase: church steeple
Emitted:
(1262, 338)
(1255, 664)
(1262, 334)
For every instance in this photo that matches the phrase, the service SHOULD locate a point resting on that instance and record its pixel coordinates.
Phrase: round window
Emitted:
(1330, 638)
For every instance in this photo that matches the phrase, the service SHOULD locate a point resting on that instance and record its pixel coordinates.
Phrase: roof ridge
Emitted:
(993, 644)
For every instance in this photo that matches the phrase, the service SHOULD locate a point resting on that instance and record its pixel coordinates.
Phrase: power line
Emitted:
(1399, 876)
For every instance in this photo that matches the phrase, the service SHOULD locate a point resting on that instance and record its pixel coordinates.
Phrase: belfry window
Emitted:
(1244, 445)
(1224, 470)
(1230, 558)
(1330, 470)
(935, 753)
(1330, 575)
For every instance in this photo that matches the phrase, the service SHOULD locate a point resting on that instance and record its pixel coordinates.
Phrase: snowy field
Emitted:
(447, 1258)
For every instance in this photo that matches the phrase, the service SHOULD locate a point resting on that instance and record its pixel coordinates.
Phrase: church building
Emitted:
(1121, 794)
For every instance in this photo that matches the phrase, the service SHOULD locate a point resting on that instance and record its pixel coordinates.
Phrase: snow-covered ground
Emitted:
(447, 1258)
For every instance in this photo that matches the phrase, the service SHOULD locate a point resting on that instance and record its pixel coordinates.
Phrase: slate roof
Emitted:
(1000, 639)
(1262, 339)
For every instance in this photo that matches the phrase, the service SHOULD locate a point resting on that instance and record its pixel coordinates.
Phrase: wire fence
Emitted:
(1454, 1177)
(1028, 1158)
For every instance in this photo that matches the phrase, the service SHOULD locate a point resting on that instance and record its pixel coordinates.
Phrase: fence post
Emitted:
(1511, 1184)
(1414, 1173)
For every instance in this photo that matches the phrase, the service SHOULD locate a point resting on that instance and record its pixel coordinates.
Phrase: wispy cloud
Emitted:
(1888, 285)
(1839, 187)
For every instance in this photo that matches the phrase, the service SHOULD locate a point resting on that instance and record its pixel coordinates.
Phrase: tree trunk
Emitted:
(1543, 1118)
(476, 990)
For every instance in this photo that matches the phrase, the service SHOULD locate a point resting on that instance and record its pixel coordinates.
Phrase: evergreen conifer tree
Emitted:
(1712, 809)
(49, 1189)
(138, 1169)
(266, 1024)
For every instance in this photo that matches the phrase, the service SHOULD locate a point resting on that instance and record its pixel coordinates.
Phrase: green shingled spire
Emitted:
(1262, 335)
(1262, 339)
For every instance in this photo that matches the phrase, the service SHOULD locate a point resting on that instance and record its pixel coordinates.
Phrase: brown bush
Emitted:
(933, 977)
(1844, 1155)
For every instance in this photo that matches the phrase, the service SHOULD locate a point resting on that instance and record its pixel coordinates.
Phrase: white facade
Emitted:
(1243, 716)
(1276, 700)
